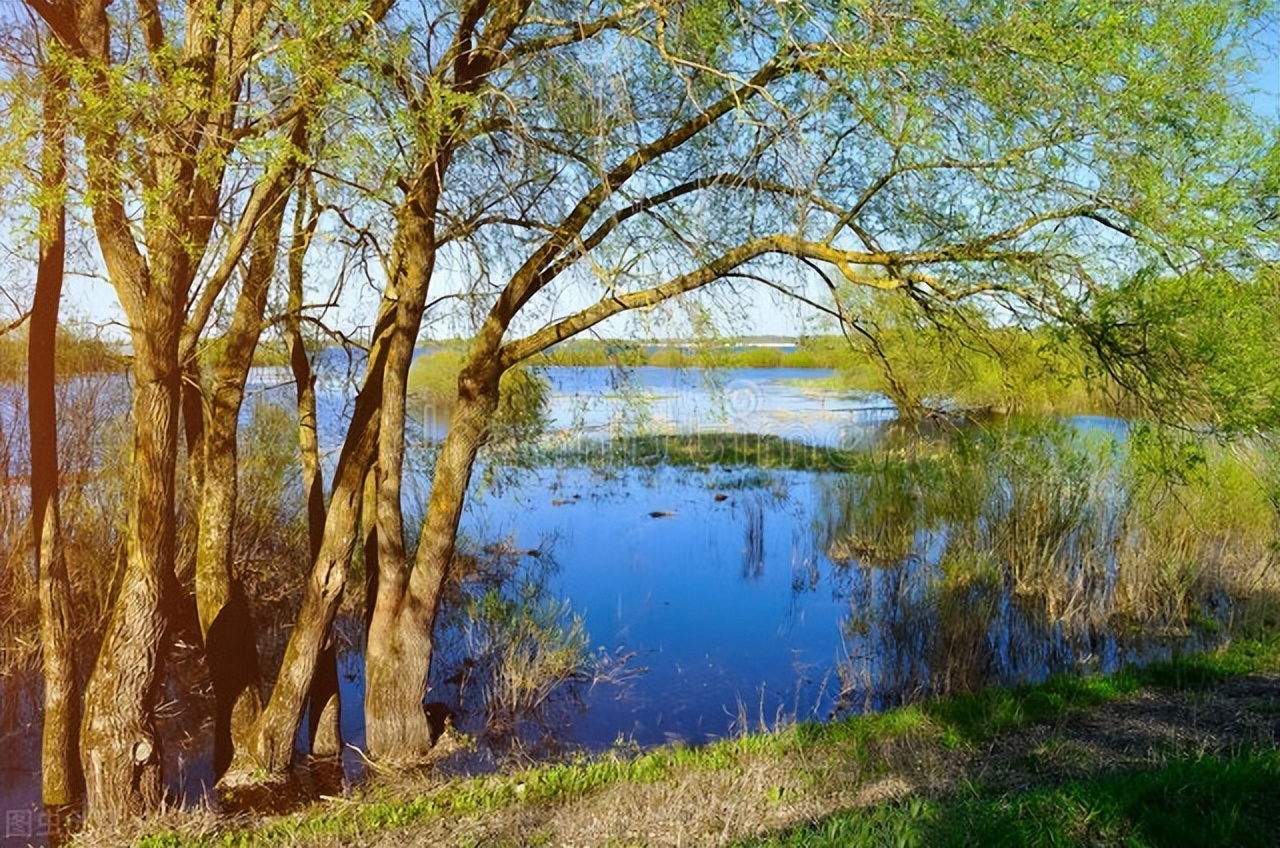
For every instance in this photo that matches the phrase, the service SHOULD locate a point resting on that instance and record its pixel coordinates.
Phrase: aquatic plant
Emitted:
(525, 649)
(991, 552)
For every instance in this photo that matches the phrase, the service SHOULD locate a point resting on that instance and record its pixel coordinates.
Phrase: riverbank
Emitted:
(1181, 753)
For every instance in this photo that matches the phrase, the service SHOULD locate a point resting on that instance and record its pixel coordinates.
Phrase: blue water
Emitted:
(717, 621)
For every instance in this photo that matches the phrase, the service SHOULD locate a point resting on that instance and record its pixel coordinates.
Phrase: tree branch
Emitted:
(537, 270)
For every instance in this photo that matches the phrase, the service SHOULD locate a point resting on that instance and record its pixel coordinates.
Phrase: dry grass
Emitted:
(693, 806)
(763, 790)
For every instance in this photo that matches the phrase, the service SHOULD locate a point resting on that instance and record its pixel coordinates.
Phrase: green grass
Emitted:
(1193, 801)
(709, 450)
(1198, 671)
(979, 716)
(551, 784)
(1186, 801)
(856, 731)
(971, 718)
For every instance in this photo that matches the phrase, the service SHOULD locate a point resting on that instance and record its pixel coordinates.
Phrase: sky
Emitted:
(91, 300)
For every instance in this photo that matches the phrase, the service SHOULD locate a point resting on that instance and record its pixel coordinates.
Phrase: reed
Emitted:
(990, 550)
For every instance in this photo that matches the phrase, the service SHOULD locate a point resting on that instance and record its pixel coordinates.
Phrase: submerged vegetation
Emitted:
(1039, 545)
(704, 451)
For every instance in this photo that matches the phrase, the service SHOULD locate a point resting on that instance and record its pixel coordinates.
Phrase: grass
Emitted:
(1191, 801)
(709, 450)
(1172, 797)
(972, 718)
(552, 784)
(980, 716)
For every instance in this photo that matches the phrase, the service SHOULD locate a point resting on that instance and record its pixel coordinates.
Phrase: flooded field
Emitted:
(711, 553)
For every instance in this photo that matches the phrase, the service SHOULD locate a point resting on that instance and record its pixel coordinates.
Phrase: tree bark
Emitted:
(269, 750)
(61, 780)
(399, 660)
(395, 724)
(323, 701)
(230, 637)
(304, 226)
(120, 749)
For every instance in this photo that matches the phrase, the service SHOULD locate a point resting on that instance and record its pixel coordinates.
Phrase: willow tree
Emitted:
(162, 105)
(317, 49)
(585, 162)
(440, 108)
(60, 774)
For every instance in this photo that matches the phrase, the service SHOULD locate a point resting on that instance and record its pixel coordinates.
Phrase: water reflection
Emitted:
(993, 556)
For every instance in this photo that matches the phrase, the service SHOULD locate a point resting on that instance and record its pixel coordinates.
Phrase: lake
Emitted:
(713, 583)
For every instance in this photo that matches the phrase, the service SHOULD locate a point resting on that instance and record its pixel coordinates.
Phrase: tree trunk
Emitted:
(184, 569)
(269, 750)
(304, 379)
(60, 775)
(369, 544)
(395, 724)
(230, 637)
(120, 749)
(323, 702)
(400, 646)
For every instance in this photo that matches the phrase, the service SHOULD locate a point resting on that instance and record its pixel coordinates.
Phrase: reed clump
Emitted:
(511, 652)
(988, 553)
(1203, 547)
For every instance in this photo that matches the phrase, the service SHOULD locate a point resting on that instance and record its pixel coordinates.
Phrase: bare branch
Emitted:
(575, 32)
(266, 194)
(5, 329)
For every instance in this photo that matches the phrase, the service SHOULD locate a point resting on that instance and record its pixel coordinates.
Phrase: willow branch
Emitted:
(538, 270)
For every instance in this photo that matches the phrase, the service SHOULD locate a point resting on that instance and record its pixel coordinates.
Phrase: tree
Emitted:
(1016, 161)
(559, 165)
(60, 774)
(160, 134)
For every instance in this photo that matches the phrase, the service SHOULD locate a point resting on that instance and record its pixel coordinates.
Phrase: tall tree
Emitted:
(223, 609)
(60, 775)
(159, 132)
(961, 158)
(578, 162)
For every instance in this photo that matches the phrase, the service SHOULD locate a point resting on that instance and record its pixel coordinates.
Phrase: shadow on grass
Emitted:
(1205, 801)
(984, 715)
